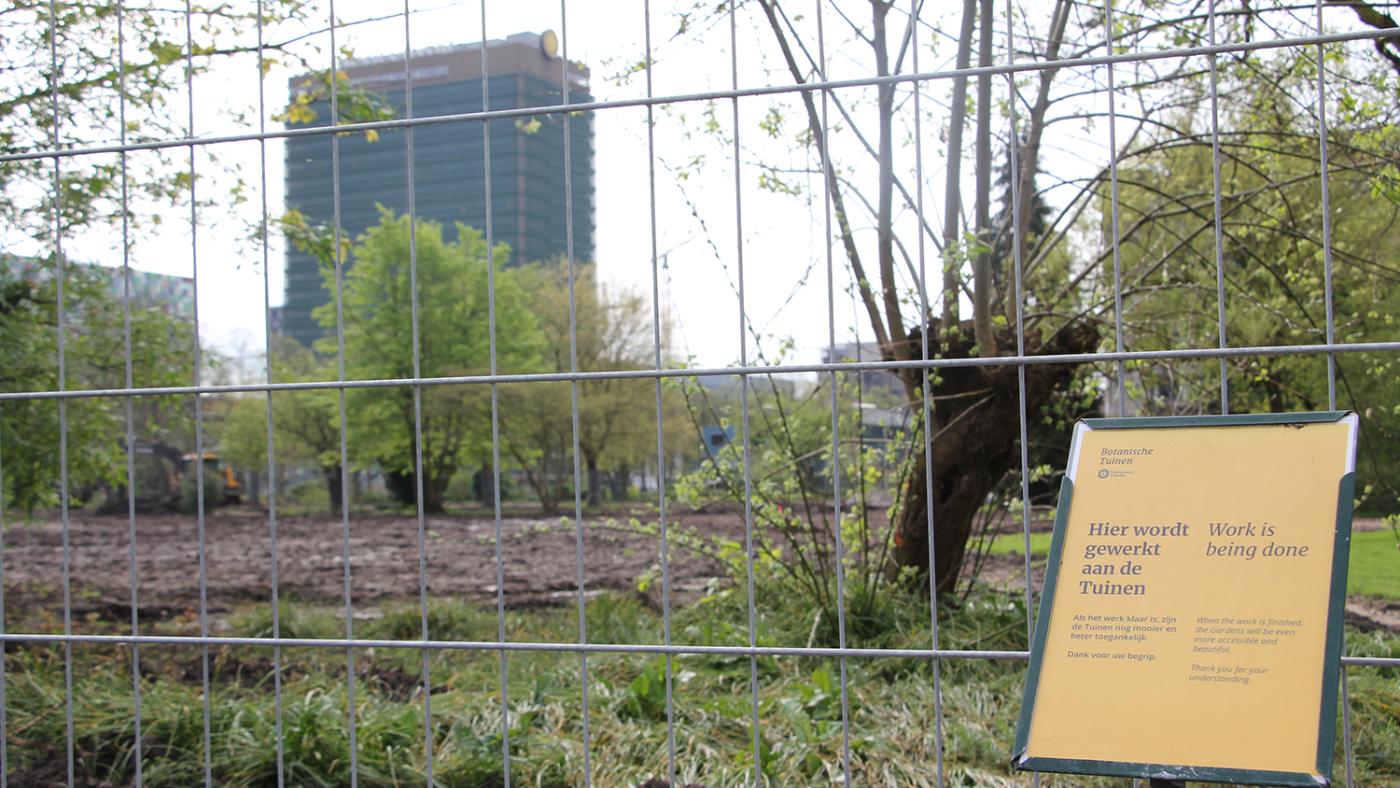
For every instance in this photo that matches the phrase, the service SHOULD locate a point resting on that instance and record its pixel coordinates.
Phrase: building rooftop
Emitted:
(529, 53)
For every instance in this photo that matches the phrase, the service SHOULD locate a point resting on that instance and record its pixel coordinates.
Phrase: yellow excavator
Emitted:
(159, 470)
(233, 492)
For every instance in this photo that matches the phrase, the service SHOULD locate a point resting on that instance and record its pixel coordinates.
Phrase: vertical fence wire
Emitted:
(660, 412)
(1110, 36)
(411, 195)
(1013, 144)
(1326, 212)
(61, 308)
(128, 404)
(573, 389)
(1324, 177)
(4, 655)
(495, 404)
(925, 429)
(837, 536)
(1348, 753)
(338, 255)
(496, 409)
(1219, 219)
(744, 401)
(1014, 183)
(273, 558)
(199, 471)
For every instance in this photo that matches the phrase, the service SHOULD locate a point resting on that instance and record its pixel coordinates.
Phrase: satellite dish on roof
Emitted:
(549, 43)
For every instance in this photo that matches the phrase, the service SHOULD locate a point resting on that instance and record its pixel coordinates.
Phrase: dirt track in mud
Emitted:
(539, 560)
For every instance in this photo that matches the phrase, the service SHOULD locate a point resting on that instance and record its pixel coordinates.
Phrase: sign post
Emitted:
(1191, 621)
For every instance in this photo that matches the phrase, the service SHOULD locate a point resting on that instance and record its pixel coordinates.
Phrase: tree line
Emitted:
(547, 318)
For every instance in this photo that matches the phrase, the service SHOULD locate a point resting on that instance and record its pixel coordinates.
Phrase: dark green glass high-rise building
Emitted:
(527, 158)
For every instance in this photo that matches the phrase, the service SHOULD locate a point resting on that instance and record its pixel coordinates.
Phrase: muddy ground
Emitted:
(539, 561)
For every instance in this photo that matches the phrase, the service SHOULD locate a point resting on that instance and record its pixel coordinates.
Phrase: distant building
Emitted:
(527, 158)
(870, 379)
(173, 295)
(715, 438)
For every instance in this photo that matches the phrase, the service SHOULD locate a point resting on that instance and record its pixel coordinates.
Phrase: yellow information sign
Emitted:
(1191, 621)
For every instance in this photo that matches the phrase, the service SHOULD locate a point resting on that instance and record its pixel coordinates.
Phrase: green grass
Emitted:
(1374, 568)
(891, 700)
(1015, 544)
(1375, 564)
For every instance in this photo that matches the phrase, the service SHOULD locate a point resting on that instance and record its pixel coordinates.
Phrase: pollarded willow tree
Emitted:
(1042, 236)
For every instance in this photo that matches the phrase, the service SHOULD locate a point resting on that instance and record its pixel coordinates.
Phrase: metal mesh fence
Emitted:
(1103, 60)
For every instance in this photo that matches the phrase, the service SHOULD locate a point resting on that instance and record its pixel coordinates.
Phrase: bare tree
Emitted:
(974, 420)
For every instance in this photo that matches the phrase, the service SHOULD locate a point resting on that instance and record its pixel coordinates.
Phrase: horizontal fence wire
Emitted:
(573, 648)
(704, 372)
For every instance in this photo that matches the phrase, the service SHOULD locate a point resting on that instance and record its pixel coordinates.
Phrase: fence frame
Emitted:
(58, 153)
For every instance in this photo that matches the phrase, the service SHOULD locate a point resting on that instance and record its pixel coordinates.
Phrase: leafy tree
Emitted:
(1272, 254)
(97, 88)
(238, 428)
(94, 356)
(79, 73)
(306, 422)
(106, 90)
(536, 421)
(613, 333)
(453, 339)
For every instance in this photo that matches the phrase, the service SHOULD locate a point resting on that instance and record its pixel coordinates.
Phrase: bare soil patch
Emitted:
(539, 560)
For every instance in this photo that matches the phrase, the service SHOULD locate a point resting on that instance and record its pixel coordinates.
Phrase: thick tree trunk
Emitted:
(334, 482)
(595, 482)
(982, 266)
(952, 188)
(976, 434)
(549, 502)
(484, 485)
(403, 487)
(621, 480)
(435, 491)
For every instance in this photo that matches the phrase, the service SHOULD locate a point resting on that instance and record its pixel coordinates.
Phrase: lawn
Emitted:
(1375, 564)
(1374, 569)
